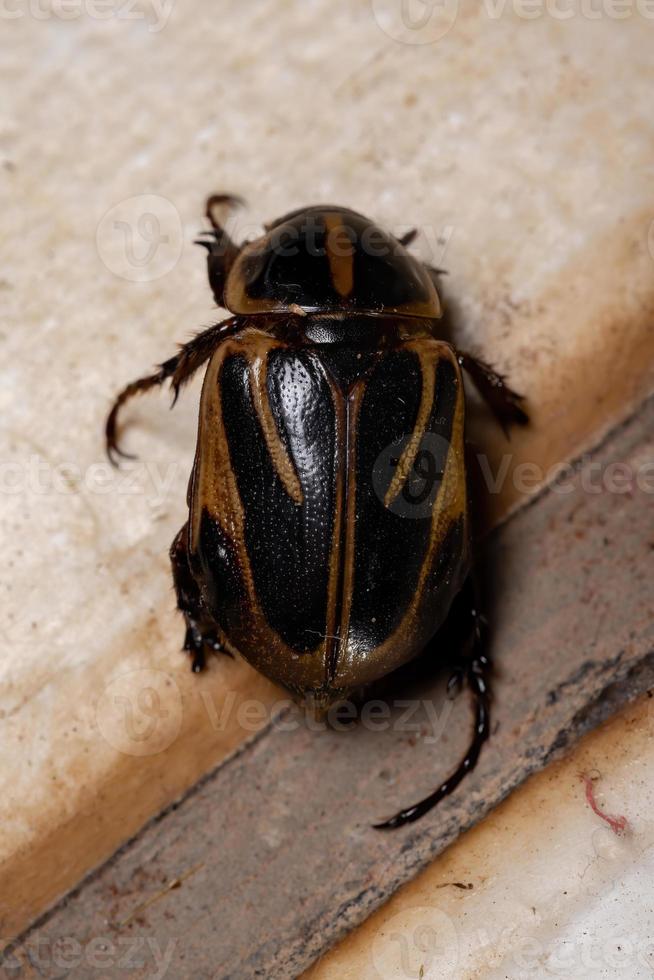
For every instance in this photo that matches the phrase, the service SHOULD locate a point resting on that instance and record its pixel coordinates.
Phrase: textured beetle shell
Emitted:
(324, 556)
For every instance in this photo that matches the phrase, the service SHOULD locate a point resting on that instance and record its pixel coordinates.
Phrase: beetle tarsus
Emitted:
(111, 426)
(408, 237)
(195, 648)
(178, 370)
(477, 679)
(224, 202)
(201, 636)
(505, 403)
(455, 682)
(475, 666)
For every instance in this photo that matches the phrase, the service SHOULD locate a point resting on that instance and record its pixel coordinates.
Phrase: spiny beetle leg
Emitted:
(178, 370)
(409, 237)
(455, 682)
(201, 634)
(475, 664)
(504, 403)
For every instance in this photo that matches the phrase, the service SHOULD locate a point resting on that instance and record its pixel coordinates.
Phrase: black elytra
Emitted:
(328, 531)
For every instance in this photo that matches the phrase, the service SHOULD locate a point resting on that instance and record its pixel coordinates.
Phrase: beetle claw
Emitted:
(455, 683)
(227, 202)
(115, 454)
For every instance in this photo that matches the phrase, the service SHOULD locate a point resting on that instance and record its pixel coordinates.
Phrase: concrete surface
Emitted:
(550, 890)
(274, 856)
(522, 147)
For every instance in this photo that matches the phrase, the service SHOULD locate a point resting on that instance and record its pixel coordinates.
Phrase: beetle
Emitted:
(328, 531)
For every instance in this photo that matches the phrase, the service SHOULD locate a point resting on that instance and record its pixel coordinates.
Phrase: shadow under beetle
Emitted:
(328, 530)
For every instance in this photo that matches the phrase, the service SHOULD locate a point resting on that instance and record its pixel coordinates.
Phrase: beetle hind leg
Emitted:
(408, 237)
(505, 404)
(201, 634)
(473, 664)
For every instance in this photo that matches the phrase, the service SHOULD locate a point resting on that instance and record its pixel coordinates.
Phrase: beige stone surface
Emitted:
(522, 147)
(543, 887)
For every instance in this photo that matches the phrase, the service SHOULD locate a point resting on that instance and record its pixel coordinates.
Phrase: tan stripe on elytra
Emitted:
(214, 484)
(450, 504)
(340, 254)
(215, 490)
(258, 374)
(410, 451)
(451, 501)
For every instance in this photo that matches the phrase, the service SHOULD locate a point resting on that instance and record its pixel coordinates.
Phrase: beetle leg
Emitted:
(455, 682)
(408, 237)
(220, 248)
(477, 669)
(201, 634)
(504, 403)
(176, 369)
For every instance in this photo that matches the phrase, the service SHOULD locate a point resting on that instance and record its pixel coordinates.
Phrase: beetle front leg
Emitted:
(177, 370)
(408, 237)
(474, 664)
(504, 403)
(201, 633)
(222, 251)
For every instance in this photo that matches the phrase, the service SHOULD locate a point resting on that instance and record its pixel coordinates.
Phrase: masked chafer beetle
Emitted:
(328, 530)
